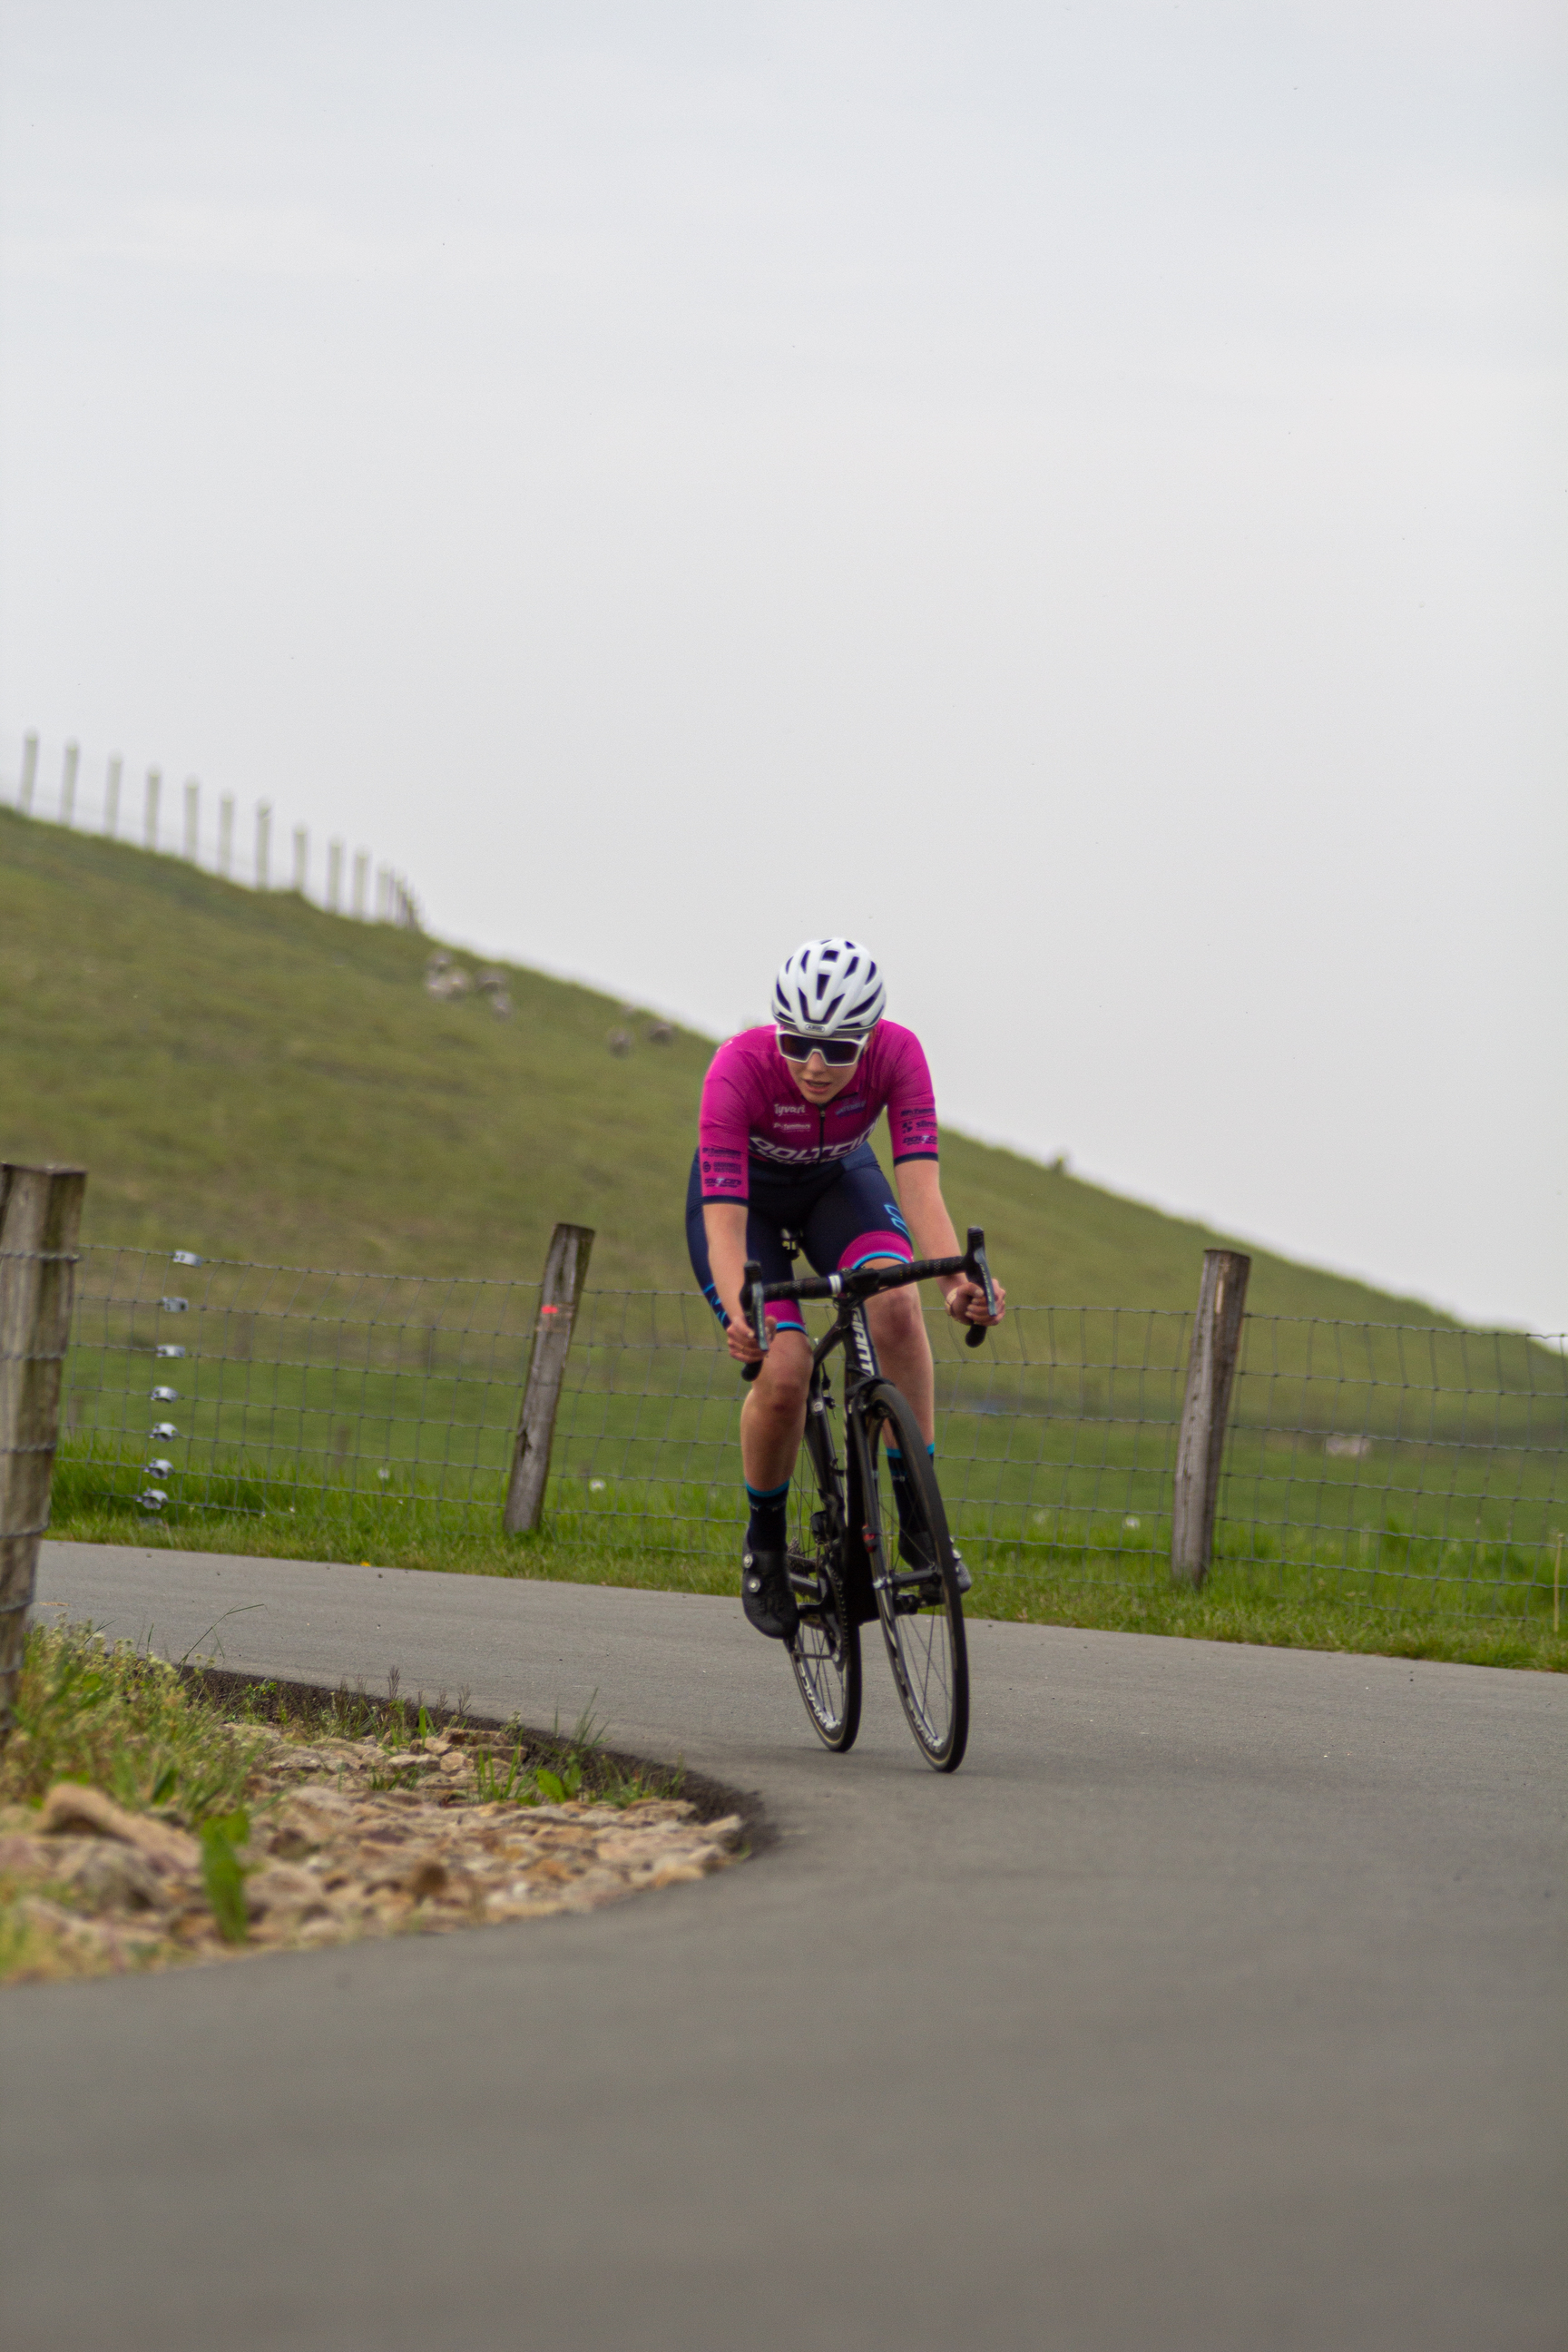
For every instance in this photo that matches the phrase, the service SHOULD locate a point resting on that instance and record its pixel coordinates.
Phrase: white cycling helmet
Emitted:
(829, 988)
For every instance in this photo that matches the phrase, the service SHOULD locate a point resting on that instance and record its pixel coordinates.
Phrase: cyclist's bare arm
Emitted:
(932, 1232)
(724, 1223)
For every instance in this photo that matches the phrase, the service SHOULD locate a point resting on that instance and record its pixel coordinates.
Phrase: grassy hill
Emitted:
(249, 1078)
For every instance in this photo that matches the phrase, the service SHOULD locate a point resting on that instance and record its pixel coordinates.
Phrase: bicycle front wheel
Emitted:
(826, 1651)
(917, 1599)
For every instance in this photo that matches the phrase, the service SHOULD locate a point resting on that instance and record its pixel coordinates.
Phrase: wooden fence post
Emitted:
(40, 1214)
(68, 783)
(29, 773)
(565, 1271)
(193, 820)
(1200, 1448)
(112, 796)
(150, 825)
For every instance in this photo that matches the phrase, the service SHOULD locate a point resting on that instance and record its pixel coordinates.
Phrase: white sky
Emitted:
(1073, 495)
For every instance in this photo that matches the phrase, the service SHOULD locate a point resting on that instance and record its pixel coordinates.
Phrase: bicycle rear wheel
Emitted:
(917, 1599)
(826, 1651)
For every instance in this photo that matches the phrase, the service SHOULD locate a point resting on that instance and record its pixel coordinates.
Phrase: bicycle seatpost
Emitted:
(754, 1309)
(976, 1266)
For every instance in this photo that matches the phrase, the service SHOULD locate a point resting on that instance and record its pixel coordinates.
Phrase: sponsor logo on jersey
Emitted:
(789, 1155)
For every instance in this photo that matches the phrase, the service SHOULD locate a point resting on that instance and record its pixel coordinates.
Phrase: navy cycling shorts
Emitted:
(840, 1215)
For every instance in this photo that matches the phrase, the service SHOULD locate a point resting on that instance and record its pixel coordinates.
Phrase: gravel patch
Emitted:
(342, 1839)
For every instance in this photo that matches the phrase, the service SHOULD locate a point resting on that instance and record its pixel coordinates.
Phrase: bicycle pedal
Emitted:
(928, 1594)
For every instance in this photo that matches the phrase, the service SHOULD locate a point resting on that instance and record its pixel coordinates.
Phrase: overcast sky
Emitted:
(1071, 494)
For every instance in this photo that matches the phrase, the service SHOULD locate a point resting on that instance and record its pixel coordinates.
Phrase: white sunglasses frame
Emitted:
(860, 1044)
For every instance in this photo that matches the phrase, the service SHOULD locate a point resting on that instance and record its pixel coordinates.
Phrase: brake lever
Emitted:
(975, 1264)
(754, 1308)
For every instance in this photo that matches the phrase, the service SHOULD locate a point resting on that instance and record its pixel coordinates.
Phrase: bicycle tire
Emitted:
(825, 1654)
(921, 1620)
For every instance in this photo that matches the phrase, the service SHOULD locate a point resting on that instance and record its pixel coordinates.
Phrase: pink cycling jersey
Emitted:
(752, 1109)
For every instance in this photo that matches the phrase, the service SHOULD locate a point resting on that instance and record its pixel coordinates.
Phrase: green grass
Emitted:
(1039, 1461)
(114, 1719)
(1405, 1596)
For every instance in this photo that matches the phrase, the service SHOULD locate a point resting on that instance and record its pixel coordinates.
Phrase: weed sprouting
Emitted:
(222, 1873)
(110, 1715)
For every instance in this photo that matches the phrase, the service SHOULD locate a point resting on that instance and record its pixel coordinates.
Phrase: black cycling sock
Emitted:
(903, 1494)
(765, 1531)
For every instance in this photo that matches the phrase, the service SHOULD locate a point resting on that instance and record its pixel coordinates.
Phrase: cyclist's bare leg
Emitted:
(773, 1418)
(903, 1351)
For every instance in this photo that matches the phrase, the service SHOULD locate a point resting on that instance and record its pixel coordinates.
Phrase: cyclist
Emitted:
(783, 1150)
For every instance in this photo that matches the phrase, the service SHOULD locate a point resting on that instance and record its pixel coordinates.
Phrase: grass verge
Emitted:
(1119, 1589)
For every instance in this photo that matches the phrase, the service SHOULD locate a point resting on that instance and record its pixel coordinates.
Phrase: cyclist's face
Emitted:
(816, 1082)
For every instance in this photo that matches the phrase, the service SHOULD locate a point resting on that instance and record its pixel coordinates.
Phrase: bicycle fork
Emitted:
(826, 1528)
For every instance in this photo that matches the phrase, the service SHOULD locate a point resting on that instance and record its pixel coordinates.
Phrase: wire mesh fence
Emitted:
(1390, 1467)
(1415, 1464)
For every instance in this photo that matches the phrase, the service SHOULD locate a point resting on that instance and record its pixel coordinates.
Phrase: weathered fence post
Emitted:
(41, 1213)
(334, 877)
(226, 835)
(301, 858)
(565, 1271)
(68, 783)
(29, 773)
(112, 796)
(193, 820)
(263, 845)
(150, 825)
(1200, 1448)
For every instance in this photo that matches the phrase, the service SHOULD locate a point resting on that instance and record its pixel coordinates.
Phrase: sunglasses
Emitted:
(838, 1053)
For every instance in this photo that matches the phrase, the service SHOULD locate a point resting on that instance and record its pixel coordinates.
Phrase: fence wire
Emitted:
(1387, 1466)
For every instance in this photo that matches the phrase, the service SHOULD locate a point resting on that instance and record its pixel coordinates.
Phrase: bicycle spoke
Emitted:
(923, 1624)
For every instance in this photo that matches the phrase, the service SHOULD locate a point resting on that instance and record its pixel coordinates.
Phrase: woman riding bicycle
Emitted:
(783, 1150)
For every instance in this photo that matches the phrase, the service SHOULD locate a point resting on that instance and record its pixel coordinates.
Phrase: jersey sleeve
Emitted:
(912, 1102)
(723, 1128)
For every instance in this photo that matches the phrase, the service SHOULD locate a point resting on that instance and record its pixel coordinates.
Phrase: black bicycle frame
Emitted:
(850, 1331)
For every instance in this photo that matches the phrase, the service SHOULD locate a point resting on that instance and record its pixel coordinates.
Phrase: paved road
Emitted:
(1216, 2002)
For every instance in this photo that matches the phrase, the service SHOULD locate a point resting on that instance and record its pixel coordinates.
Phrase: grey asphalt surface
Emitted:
(1218, 2001)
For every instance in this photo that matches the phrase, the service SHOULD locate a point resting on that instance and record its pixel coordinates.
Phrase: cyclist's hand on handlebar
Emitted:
(739, 1341)
(966, 1301)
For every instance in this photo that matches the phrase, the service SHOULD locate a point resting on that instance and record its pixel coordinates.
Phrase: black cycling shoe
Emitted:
(765, 1595)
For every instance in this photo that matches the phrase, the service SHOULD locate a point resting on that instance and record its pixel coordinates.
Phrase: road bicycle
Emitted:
(858, 1549)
